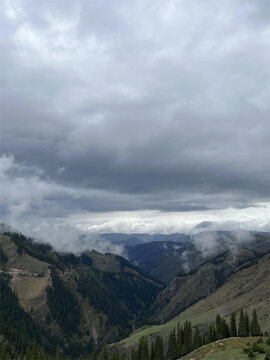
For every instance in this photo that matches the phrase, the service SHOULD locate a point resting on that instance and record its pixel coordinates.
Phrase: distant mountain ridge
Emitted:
(135, 239)
(163, 260)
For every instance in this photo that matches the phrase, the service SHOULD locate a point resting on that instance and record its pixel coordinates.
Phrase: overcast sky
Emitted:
(135, 116)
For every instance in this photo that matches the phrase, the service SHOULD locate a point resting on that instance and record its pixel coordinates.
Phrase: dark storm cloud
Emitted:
(136, 106)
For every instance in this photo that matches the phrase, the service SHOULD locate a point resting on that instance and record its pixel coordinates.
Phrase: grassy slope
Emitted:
(247, 289)
(30, 277)
(233, 350)
(104, 263)
(184, 291)
(23, 262)
(29, 286)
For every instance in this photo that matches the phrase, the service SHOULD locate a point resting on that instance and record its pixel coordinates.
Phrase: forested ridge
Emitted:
(63, 305)
(82, 306)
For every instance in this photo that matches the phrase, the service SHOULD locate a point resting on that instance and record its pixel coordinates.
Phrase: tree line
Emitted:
(185, 338)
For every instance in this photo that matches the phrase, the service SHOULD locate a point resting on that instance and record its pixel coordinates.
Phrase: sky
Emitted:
(135, 116)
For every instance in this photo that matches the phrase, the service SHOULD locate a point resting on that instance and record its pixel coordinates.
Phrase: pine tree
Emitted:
(247, 326)
(105, 355)
(219, 330)
(33, 355)
(152, 355)
(172, 346)
(254, 326)
(179, 339)
(187, 335)
(134, 354)
(41, 355)
(94, 354)
(242, 326)
(233, 329)
(225, 331)
(143, 348)
(115, 355)
(197, 340)
(159, 352)
(203, 339)
(215, 333)
(27, 354)
(210, 335)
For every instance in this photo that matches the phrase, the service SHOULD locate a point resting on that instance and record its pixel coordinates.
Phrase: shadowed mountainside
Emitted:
(78, 301)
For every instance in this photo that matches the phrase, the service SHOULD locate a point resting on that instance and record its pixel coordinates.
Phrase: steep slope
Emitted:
(164, 259)
(77, 300)
(247, 289)
(183, 291)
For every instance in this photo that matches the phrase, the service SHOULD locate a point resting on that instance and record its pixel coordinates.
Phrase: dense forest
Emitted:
(79, 301)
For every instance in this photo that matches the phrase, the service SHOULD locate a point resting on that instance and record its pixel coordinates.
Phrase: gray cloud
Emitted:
(129, 107)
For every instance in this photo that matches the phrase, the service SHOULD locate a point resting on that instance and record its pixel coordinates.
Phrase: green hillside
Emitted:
(80, 303)
(226, 349)
(183, 291)
(247, 289)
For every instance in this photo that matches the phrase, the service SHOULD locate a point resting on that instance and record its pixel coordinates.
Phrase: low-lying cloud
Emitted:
(135, 116)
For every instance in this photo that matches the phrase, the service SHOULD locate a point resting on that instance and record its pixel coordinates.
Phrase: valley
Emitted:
(80, 303)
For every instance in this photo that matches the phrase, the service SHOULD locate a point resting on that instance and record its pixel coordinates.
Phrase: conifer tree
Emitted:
(219, 330)
(143, 352)
(58, 354)
(41, 355)
(172, 347)
(214, 333)
(242, 326)
(210, 335)
(233, 329)
(105, 355)
(179, 339)
(94, 354)
(197, 341)
(115, 355)
(203, 339)
(225, 331)
(152, 356)
(247, 325)
(187, 334)
(33, 355)
(134, 354)
(27, 354)
(159, 351)
(254, 326)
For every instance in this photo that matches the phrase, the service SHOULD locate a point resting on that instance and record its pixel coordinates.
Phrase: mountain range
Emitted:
(79, 303)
